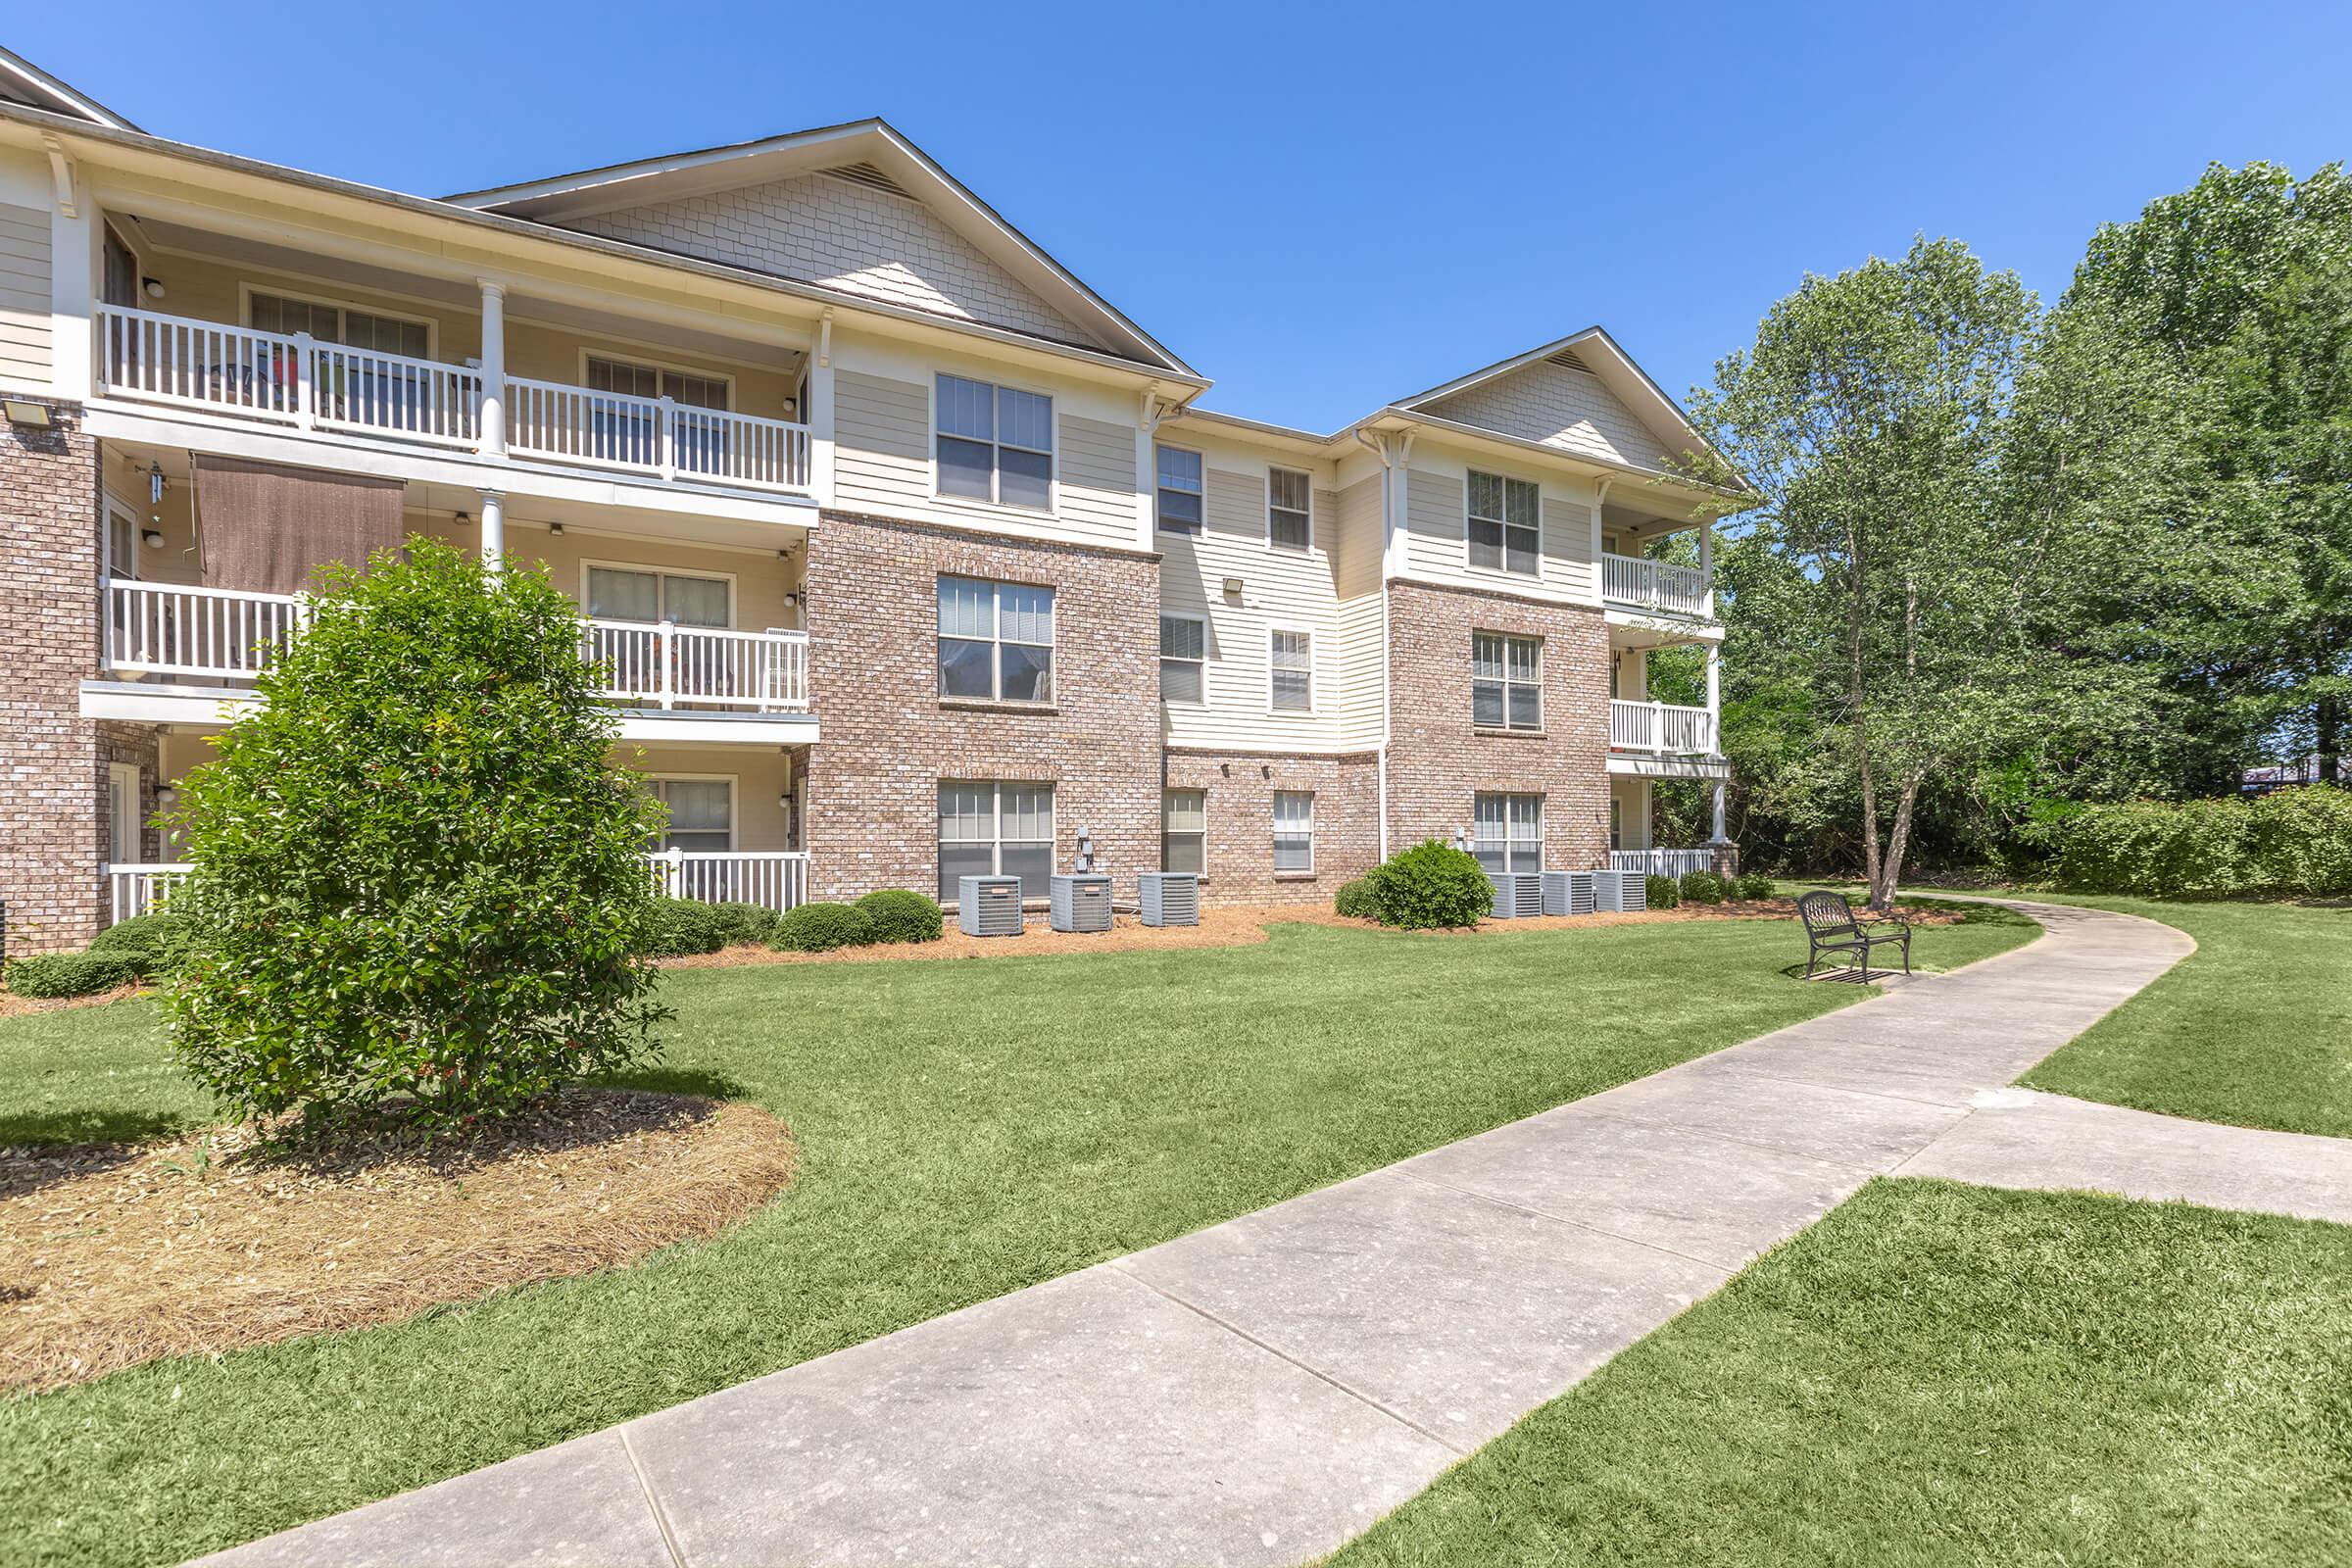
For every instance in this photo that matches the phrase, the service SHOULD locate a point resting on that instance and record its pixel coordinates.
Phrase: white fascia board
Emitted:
(158, 702)
(717, 730)
(1630, 766)
(1661, 630)
(1395, 416)
(32, 79)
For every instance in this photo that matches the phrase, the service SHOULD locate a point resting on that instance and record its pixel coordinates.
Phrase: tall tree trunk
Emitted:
(1861, 723)
(2330, 723)
(1881, 892)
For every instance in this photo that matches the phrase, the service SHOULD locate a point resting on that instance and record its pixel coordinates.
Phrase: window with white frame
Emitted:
(1290, 509)
(1294, 830)
(1180, 493)
(995, 444)
(339, 323)
(1183, 830)
(643, 594)
(995, 640)
(123, 819)
(1504, 532)
(1506, 681)
(631, 379)
(1506, 832)
(701, 813)
(1182, 658)
(1291, 676)
(1616, 823)
(121, 540)
(992, 829)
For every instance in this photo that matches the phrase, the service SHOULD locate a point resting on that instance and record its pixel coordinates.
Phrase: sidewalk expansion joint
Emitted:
(645, 1485)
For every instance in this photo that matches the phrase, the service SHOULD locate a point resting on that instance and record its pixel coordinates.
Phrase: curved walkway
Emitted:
(1258, 1392)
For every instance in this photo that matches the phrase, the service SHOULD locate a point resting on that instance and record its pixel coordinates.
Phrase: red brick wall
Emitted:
(1238, 791)
(52, 773)
(889, 737)
(1437, 760)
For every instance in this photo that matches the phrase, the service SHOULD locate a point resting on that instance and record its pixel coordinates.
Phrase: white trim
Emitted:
(1315, 686)
(1307, 869)
(114, 507)
(1272, 468)
(996, 473)
(995, 841)
(1506, 683)
(247, 288)
(1201, 533)
(734, 794)
(40, 84)
(661, 367)
(661, 596)
(1506, 480)
(117, 775)
(1202, 622)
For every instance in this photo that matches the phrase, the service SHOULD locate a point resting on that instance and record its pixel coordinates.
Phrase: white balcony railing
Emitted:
(175, 629)
(1647, 584)
(229, 634)
(1662, 863)
(696, 666)
(773, 880)
(653, 435)
(1660, 729)
(294, 380)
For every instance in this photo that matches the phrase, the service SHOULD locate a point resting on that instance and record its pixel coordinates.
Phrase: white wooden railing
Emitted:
(419, 399)
(653, 435)
(1662, 863)
(773, 879)
(1664, 728)
(669, 664)
(178, 629)
(1650, 584)
(135, 890)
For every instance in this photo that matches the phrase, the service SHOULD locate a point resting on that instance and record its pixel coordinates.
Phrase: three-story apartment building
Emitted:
(904, 555)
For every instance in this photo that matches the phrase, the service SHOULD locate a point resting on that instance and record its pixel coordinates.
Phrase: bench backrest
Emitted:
(1826, 913)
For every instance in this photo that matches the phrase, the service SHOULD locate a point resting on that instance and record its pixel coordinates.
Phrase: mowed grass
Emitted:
(1937, 1374)
(2254, 1028)
(967, 1129)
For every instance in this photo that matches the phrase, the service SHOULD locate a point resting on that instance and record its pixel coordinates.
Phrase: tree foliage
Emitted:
(417, 881)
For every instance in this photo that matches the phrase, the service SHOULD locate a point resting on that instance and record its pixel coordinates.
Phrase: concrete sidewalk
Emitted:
(1261, 1391)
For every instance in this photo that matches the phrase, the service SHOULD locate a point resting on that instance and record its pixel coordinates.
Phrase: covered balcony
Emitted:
(1636, 584)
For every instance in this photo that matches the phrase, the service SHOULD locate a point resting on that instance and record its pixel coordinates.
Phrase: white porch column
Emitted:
(1706, 562)
(494, 372)
(494, 531)
(820, 414)
(1715, 695)
(75, 274)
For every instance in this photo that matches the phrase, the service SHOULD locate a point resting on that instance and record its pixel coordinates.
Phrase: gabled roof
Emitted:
(1599, 354)
(870, 152)
(26, 83)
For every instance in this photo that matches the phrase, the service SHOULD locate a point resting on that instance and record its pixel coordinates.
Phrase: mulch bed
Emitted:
(12, 1005)
(115, 1254)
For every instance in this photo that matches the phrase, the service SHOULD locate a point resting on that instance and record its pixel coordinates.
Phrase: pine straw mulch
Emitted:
(1233, 925)
(12, 1005)
(116, 1254)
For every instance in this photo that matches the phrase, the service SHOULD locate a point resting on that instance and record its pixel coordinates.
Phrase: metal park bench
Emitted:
(1830, 927)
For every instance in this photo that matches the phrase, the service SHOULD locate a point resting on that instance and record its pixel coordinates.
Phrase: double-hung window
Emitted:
(701, 813)
(1182, 658)
(628, 379)
(640, 594)
(1506, 832)
(995, 640)
(1183, 830)
(338, 324)
(1289, 519)
(1506, 681)
(1504, 527)
(1179, 505)
(990, 829)
(1294, 830)
(1291, 677)
(995, 444)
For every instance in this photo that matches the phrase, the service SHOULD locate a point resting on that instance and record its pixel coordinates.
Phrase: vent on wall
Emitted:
(1566, 359)
(869, 176)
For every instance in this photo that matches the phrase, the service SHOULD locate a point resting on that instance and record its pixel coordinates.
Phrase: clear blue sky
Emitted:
(1321, 211)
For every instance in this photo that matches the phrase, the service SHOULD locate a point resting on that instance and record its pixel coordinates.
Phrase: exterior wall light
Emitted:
(21, 411)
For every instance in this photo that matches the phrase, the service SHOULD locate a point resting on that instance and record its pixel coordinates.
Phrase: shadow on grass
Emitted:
(44, 1127)
(679, 1081)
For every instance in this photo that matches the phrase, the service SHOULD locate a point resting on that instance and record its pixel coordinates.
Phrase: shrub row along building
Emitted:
(904, 555)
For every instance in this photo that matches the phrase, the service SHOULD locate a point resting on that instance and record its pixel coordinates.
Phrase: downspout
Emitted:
(1388, 514)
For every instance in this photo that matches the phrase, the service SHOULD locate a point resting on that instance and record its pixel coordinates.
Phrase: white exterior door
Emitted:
(122, 813)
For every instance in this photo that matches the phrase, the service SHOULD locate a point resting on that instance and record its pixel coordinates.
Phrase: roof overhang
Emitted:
(871, 143)
(19, 78)
(1699, 497)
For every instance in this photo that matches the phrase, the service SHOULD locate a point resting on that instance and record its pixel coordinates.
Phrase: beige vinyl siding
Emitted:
(882, 444)
(1567, 547)
(1361, 674)
(1559, 407)
(1436, 546)
(1436, 543)
(24, 296)
(1097, 466)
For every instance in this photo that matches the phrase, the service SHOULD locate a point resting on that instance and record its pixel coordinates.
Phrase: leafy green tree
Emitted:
(417, 882)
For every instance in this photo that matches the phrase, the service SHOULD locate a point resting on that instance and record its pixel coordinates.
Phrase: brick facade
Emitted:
(1437, 760)
(1238, 792)
(52, 761)
(890, 738)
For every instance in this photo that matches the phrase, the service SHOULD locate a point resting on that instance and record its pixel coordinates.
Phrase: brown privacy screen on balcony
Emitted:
(265, 527)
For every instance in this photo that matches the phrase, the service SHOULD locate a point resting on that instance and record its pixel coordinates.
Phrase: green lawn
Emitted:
(2254, 1028)
(1943, 1374)
(967, 1128)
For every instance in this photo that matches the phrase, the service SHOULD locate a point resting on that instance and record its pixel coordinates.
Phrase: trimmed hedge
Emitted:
(1664, 892)
(154, 942)
(899, 914)
(1357, 901)
(1753, 886)
(679, 928)
(2295, 842)
(1701, 887)
(821, 927)
(745, 924)
(73, 974)
(1431, 886)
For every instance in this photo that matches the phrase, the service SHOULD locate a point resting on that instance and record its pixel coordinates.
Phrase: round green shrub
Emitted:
(678, 928)
(1431, 886)
(1753, 886)
(152, 941)
(73, 974)
(745, 924)
(899, 914)
(1357, 901)
(1662, 890)
(821, 927)
(1701, 887)
(417, 884)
